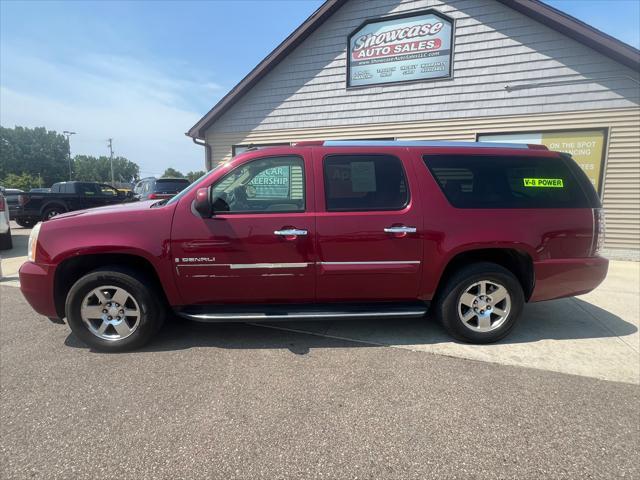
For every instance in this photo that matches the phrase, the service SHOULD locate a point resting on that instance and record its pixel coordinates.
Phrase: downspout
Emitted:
(207, 152)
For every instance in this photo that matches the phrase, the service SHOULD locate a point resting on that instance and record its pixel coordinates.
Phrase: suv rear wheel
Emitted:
(113, 309)
(480, 303)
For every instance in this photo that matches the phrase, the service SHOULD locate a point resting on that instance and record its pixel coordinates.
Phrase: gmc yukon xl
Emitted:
(334, 229)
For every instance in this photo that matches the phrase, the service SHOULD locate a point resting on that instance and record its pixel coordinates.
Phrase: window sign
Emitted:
(271, 183)
(363, 176)
(400, 48)
(585, 146)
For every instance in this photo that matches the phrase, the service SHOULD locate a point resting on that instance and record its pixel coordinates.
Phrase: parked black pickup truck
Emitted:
(65, 197)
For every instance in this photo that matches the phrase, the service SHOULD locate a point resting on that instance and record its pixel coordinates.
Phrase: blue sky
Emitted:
(144, 72)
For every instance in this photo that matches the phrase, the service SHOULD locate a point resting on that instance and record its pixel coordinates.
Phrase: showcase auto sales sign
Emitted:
(400, 48)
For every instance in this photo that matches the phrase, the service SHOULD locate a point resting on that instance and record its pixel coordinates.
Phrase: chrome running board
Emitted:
(318, 312)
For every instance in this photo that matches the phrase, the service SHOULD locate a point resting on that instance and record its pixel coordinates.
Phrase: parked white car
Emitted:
(5, 228)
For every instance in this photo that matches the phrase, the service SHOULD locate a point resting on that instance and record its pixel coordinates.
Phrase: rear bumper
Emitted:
(19, 213)
(36, 284)
(567, 277)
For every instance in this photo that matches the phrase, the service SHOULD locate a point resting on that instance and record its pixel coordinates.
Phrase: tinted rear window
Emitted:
(170, 186)
(482, 181)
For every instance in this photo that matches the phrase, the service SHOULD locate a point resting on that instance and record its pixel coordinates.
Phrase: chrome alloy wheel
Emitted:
(110, 313)
(484, 306)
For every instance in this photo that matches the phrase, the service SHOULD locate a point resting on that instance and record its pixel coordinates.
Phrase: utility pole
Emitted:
(110, 140)
(67, 134)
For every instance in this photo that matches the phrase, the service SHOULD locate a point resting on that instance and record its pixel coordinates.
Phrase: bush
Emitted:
(24, 181)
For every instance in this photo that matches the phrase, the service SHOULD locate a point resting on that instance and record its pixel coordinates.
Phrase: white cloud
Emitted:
(145, 110)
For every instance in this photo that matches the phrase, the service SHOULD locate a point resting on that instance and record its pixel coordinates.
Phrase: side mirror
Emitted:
(202, 203)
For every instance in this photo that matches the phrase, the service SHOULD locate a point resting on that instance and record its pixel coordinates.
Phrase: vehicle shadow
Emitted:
(566, 319)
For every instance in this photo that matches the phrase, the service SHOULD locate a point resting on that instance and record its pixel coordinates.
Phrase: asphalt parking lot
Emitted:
(389, 399)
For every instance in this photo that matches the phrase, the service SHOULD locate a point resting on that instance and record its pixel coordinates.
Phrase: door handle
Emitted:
(400, 229)
(290, 232)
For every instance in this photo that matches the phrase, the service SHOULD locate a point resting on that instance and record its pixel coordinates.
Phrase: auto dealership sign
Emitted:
(400, 48)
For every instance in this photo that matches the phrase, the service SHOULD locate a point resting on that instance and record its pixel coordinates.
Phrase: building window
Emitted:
(364, 182)
(587, 147)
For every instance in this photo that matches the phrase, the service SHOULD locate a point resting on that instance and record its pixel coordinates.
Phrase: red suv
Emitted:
(333, 229)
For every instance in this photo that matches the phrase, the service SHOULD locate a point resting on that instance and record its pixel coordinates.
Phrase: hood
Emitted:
(109, 209)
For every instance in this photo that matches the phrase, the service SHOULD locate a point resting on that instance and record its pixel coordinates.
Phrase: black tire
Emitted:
(151, 307)
(446, 306)
(52, 211)
(6, 243)
(26, 223)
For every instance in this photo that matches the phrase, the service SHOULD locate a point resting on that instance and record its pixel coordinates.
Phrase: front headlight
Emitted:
(33, 242)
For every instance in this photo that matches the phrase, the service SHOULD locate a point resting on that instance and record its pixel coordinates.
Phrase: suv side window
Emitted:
(364, 182)
(271, 184)
(88, 189)
(485, 181)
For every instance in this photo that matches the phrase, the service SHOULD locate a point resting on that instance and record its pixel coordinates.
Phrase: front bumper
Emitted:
(567, 277)
(36, 284)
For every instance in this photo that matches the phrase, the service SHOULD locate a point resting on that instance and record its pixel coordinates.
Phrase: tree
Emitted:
(193, 176)
(172, 173)
(23, 181)
(92, 169)
(34, 151)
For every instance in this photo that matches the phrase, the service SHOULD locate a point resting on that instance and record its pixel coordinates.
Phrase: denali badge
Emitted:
(195, 259)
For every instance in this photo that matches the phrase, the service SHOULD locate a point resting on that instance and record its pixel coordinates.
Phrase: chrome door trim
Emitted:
(237, 266)
(391, 262)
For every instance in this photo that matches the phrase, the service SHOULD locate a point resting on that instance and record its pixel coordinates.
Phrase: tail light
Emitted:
(599, 225)
(22, 200)
(2, 204)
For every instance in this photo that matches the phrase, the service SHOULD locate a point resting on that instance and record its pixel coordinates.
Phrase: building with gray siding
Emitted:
(489, 70)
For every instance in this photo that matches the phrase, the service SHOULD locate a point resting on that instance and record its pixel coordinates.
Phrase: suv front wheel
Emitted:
(480, 303)
(113, 309)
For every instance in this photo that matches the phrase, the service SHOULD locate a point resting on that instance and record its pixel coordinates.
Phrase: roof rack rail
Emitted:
(428, 143)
